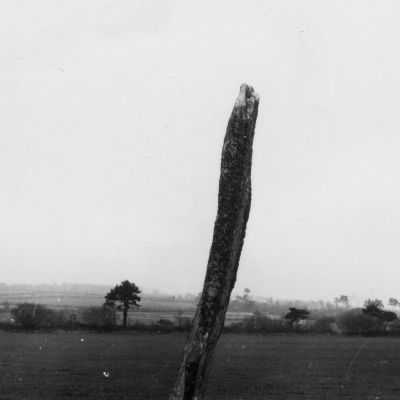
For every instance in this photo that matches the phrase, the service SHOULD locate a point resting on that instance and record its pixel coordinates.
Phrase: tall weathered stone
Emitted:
(234, 200)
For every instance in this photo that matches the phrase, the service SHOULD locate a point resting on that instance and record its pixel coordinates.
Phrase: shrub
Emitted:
(164, 325)
(98, 317)
(6, 305)
(139, 326)
(34, 316)
(355, 322)
(393, 328)
(7, 326)
(324, 325)
(235, 327)
(259, 323)
(165, 322)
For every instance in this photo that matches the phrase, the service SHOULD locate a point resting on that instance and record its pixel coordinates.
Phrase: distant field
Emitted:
(149, 317)
(154, 316)
(143, 366)
(60, 299)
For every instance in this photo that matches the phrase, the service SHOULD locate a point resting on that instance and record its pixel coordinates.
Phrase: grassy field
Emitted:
(134, 365)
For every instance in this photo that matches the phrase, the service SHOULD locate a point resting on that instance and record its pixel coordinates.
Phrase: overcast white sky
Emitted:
(113, 115)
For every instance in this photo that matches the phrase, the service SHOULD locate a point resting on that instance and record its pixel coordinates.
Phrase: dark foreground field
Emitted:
(143, 366)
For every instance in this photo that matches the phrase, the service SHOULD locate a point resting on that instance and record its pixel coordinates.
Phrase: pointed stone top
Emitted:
(246, 92)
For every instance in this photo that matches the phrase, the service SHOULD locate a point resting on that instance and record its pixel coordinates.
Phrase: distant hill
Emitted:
(84, 295)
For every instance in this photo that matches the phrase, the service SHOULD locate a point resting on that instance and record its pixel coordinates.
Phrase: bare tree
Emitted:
(234, 200)
(394, 302)
(343, 300)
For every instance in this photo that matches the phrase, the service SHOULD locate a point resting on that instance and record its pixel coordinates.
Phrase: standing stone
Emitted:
(229, 231)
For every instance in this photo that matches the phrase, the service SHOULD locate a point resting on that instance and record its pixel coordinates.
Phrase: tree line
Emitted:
(372, 319)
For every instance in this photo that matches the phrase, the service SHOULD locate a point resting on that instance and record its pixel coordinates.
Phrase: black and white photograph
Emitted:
(199, 200)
